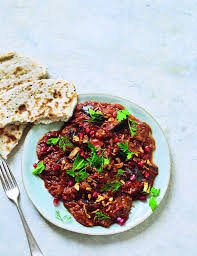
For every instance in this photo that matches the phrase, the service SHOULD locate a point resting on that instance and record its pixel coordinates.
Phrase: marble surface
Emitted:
(145, 51)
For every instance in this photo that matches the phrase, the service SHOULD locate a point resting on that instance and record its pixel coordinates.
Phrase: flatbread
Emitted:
(14, 71)
(42, 101)
(9, 137)
(20, 68)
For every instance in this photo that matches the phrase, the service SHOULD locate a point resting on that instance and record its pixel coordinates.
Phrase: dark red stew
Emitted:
(98, 163)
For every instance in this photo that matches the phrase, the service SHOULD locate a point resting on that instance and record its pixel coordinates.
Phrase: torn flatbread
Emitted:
(14, 71)
(20, 68)
(42, 101)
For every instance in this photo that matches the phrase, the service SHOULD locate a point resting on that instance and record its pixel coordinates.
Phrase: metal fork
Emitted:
(12, 191)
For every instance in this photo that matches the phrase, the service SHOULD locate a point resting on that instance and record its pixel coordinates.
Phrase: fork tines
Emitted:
(7, 179)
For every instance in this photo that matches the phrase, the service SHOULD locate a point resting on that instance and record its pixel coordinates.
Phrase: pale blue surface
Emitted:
(43, 200)
(142, 50)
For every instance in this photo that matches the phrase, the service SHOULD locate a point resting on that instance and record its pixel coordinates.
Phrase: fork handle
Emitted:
(33, 246)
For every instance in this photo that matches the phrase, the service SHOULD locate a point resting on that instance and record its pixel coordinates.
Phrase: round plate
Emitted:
(43, 201)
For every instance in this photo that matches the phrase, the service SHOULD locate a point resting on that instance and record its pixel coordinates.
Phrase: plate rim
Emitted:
(126, 228)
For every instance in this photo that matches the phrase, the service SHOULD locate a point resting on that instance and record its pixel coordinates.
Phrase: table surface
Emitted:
(145, 51)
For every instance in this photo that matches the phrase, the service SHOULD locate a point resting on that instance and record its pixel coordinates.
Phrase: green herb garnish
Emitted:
(101, 216)
(113, 184)
(64, 219)
(125, 150)
(71, 172)
(122, 114)
(106, 160)
(154, 191)
(124, 147)
(132, 127)
(81, 165)
(53, 141)
(95, 116)
(63, 142)
(153, 203)
(39, 168)
(79, 162)
(96, 160)
(81, 175)
(120, 172)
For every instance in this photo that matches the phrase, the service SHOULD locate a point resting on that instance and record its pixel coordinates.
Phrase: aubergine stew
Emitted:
(98, 163)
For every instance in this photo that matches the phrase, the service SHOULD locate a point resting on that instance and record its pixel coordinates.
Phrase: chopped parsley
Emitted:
(124, 148)
(113, 184)
(63, 142)
(132, 127)
(81, 175)
(79, 162)
(101, 216)
(120, 172)
(39, 168)
(64, 219)
(96, 160)
(53, 141)
(71, 172)
(122, 114)
(81, 165)
(154, 191)
(106, 160)
(95, 117)
(153, 203)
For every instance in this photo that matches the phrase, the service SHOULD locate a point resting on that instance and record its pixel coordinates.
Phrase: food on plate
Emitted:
(41, 101)
(14, 71)
(98, 163)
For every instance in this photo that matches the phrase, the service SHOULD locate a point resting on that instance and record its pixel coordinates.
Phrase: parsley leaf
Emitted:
(132, 127)
(95, 117)
(81, 175)
(154, 191)
(106, 160)
(78, 163)
(81, 165)
(123, 147)
(92, 147)
(101, 216)
(152, 203)
(129, 154)
(53, 141)
(125, 150)
(63, 142)
(71, 172)
(120, 172)
(96, 160)
(39, 168)
(122, 114)
(64, 219)
(113, 184)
